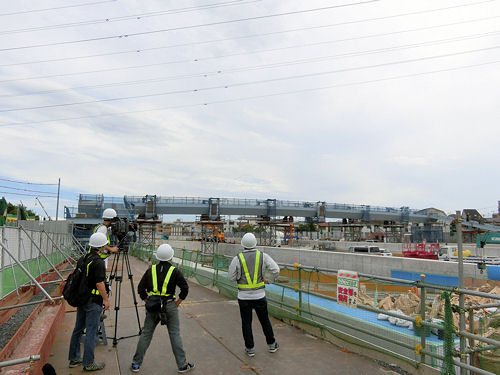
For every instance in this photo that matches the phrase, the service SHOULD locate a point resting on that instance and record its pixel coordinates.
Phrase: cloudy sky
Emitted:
(389, 102)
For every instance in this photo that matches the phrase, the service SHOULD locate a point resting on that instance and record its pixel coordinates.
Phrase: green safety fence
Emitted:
(12, 276)
(448, 367)
(210, 270)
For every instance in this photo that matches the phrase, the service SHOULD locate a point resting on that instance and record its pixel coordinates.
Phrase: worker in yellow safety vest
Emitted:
(247, 269)
(108, 215)
(157, 288)
(88, 315)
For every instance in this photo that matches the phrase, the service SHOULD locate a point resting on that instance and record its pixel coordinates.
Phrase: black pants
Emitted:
(260, 306)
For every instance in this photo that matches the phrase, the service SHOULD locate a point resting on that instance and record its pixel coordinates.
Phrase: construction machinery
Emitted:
(43, 208)
(483, 239)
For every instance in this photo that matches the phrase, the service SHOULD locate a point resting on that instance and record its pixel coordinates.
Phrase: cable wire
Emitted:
(251, 36)
(34, 191)
(247, 37)
(28, 195)
(254, 97)
(129, 17)
(56, 8)
(219, 71)
(225, 86)
(253, 18)
(190, 26)
(25, 182)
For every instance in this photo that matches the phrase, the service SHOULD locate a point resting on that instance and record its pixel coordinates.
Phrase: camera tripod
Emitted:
(121, 257)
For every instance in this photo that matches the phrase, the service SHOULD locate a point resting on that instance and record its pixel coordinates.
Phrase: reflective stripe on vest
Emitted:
(163, 292)
(93, 291)
(251, 284)
(103, 256)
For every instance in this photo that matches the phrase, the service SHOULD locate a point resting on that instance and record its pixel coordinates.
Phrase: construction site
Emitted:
(354, 141)
(377, 325)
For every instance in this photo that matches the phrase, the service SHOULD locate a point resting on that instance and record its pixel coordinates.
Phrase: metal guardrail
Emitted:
(28, 253)
(421, 284)
(18, 361)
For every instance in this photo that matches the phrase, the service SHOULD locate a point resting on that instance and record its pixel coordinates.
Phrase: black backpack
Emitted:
(76, 291)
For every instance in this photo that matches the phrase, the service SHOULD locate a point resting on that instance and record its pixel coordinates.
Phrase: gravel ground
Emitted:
(9, 328)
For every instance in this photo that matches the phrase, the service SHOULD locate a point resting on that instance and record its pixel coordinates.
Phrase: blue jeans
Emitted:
(87, 318)
(174, 332)
(260, 307)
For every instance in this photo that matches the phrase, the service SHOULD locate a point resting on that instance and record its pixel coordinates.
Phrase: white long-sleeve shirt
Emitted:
(234, 274)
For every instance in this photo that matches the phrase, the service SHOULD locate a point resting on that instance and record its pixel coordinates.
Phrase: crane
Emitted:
(43, 208)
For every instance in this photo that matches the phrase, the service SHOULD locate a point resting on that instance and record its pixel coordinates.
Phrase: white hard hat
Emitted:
(98, 240)
(164, 253)
(249, 241)
(109, 213)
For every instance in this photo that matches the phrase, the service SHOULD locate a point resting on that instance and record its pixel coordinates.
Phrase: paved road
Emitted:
(211, 332)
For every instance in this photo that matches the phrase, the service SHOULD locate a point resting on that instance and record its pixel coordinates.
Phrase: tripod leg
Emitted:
(114, 266)
(118, 288)
(129, 270)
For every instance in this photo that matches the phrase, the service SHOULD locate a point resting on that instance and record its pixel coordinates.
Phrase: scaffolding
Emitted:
(31, 254)
(148, 222)
(266, 235)
(352, 232)
(146, 230)
(212, 233)
(269, 228)
(394, 232)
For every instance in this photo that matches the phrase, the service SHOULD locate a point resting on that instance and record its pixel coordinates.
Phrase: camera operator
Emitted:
(88, 315)
(108, 216)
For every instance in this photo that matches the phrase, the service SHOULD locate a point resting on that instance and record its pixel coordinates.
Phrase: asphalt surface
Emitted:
(211, 334)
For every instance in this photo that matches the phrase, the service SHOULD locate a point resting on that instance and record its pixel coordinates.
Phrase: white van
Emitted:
(369, 250)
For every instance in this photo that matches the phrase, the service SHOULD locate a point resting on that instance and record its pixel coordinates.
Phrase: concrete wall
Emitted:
(368, 264)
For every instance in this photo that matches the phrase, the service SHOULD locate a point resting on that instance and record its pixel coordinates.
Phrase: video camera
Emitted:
(123, 230)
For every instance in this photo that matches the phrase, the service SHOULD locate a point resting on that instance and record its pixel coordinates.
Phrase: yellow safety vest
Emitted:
(93, 291)
(163, 292)
(103, 256)
(251, 284)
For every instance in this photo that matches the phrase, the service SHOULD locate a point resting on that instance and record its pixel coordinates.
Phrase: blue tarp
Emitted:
(493, 272)
(429, 278)
(367, 316)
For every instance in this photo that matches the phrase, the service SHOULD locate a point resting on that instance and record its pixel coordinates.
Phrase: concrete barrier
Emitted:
(368, 264)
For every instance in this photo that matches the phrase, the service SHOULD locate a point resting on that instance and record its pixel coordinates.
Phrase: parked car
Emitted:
(369, 250)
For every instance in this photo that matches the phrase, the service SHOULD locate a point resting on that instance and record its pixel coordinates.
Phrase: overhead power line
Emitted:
(255, 18)
(25, 182)
(140, 50)
(129, 17)
(27, 195)
(191, 26)
(247, 37)
(34, 191)
(240, 84)
(56, 8)
(252, 97)
(219, 71)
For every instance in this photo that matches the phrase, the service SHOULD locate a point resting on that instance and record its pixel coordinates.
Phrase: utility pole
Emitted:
(58, 191)
(461, 300)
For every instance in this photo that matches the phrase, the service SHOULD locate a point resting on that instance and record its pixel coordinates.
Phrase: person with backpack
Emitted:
(88, 314)
(157, 288)
(247, 269)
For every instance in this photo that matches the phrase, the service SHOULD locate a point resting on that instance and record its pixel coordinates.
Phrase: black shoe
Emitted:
(94, 367)
(187, 367)
(75, 363)
(273, 347)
